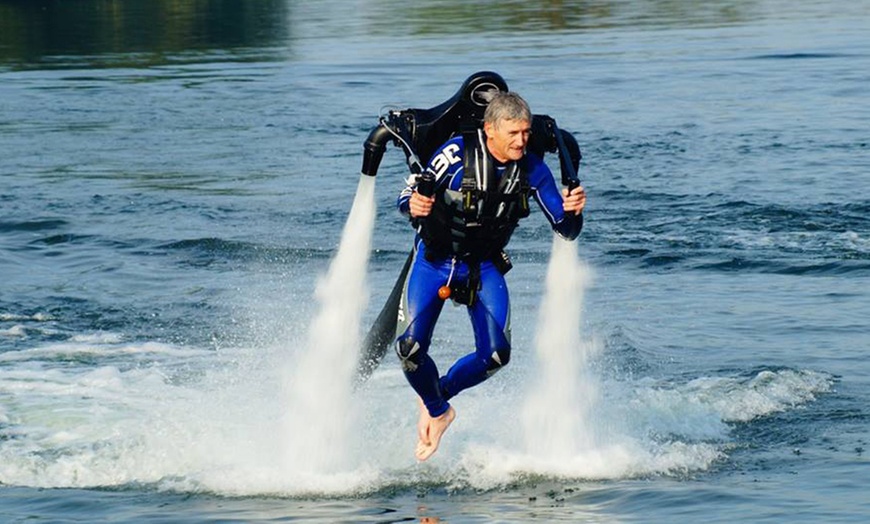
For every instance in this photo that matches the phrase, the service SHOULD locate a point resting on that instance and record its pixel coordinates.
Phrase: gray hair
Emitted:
(507, 106)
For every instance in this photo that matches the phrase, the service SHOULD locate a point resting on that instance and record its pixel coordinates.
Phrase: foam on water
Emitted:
(643, 428)
(37, 317)
(213, 421)
(189, 422)
(18, 330)
(96, 345)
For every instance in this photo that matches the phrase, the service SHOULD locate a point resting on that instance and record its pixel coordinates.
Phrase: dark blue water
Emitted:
(176, 178)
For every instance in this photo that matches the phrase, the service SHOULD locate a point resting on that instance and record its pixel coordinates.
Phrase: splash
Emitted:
(188, 420)
(96, 410)
(319, 414)
(556, 414)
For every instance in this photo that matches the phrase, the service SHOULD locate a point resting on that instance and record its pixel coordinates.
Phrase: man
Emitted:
(482, 183)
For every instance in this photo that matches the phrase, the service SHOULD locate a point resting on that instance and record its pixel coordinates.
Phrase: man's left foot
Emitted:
(431, 438)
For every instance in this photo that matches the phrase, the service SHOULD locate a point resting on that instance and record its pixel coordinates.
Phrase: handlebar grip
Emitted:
(426, 184)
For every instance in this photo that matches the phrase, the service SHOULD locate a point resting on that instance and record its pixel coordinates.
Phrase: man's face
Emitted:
(507, 139)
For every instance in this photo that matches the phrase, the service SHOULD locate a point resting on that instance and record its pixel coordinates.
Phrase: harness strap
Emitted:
(475, 172)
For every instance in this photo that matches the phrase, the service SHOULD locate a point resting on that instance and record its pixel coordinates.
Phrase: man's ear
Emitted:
(488, 129)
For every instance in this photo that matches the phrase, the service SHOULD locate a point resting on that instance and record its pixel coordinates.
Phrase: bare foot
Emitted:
(428, 443)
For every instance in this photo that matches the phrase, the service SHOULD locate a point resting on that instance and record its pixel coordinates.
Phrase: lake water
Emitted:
(176, 178)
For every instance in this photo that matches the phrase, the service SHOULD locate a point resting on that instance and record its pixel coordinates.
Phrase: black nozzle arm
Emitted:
(569, 157)
(394, 127)
(373, 149)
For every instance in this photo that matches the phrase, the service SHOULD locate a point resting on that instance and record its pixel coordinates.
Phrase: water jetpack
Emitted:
(419, 132)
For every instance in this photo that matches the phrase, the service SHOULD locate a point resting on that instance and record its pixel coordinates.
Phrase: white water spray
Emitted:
(557, 411)
(319, 414)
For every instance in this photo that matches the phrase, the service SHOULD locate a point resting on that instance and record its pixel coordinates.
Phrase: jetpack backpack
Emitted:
(419, 132)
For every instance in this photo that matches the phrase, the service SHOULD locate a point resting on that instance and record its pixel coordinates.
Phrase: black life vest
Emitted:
(476, 222)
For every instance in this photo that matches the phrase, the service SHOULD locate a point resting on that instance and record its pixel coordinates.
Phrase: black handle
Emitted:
(426, 184)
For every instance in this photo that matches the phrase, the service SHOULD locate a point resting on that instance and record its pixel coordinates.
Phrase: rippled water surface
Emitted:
(176, 177)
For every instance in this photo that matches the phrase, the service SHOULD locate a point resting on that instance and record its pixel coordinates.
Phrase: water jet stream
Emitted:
(319, 414)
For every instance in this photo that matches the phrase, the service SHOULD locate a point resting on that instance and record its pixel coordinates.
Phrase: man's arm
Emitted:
(445, 164)
(563, 210)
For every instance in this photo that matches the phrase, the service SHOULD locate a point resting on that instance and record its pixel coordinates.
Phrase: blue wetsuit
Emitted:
(489, 311)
